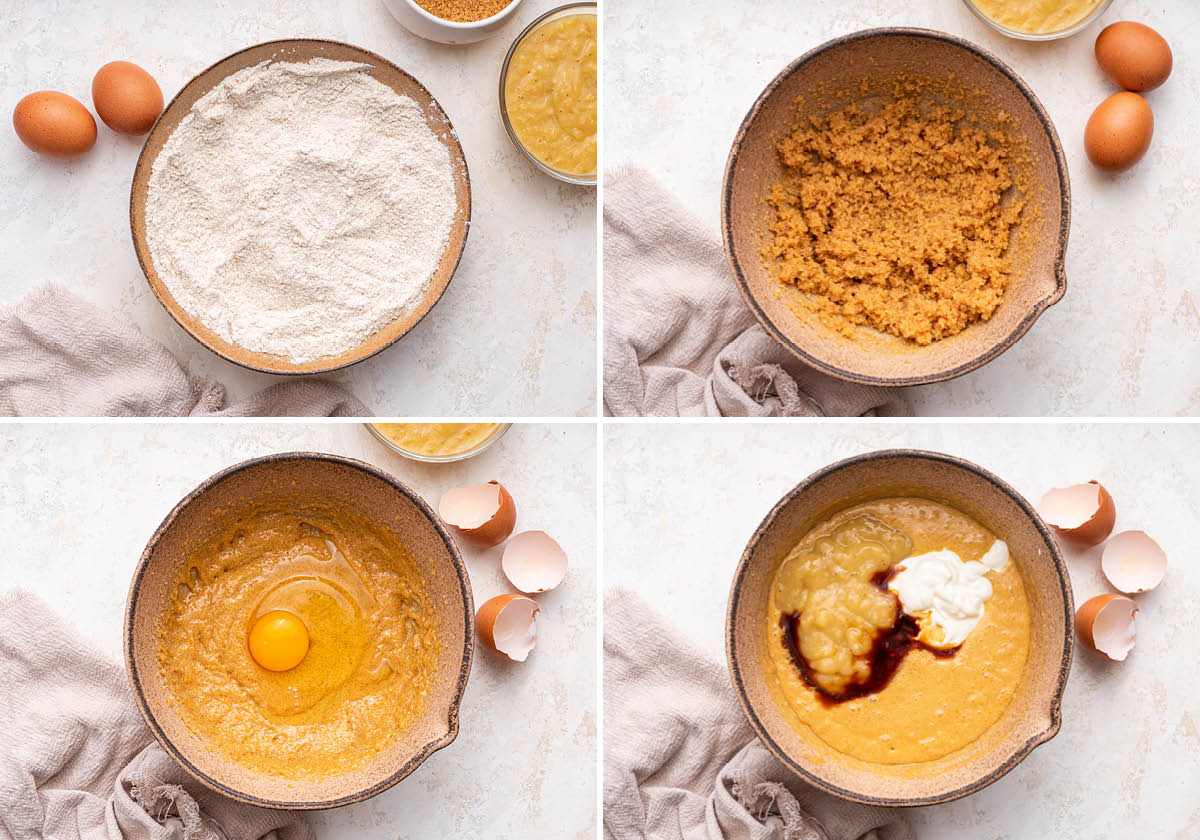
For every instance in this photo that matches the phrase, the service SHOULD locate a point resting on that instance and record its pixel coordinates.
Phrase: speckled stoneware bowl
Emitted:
(300, 50)
(824, 78)
(330, 478)
(1033, 716)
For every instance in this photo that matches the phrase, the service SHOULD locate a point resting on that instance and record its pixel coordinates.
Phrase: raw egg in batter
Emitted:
(301, 639)
(279, 641)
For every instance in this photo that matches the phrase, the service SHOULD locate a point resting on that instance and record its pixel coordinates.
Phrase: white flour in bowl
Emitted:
(300, 207)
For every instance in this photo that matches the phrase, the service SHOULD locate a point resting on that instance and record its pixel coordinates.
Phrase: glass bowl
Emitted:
(553, 14)
(500, 432)
(1045, 36)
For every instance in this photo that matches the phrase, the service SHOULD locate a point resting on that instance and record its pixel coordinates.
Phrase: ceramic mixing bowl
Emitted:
(330, 478)
(1032, 717)
(826, 79)
(300, 50)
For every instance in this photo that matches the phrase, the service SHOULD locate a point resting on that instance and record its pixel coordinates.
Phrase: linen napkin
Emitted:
(77, 761)
(679, 340)
(680, 760)
(61, 356)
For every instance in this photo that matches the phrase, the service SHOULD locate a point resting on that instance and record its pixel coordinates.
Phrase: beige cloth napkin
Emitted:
(680, 760)
(679, 340)
(78, 763)
(62, 357)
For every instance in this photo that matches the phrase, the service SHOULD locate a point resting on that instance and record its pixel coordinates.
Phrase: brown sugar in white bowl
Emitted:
(371, 493)
(1033, 715)
(827, 78)
(301, 50)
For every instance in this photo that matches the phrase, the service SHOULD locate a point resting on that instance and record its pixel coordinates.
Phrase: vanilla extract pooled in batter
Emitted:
(888, 651)
(869, 679)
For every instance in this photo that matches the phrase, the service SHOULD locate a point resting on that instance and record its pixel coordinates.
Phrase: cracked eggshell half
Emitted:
(533, 562)
(1082, 513)
(1133, 562)
(1107, 623)
(482, 514)
(507, 625)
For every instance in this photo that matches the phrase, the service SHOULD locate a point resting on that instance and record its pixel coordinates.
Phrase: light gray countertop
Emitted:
(78, 502)
(680, 503)
(515, 333)
(679, 77)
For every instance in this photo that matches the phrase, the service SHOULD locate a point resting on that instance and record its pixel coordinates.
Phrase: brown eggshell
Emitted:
(126, 97)
(534, 562)
(485, 625)
(1133, 55)
(1133, 562)
(1119, 131)
(1096, 528)
(494, 530)
(1112, 646)
(54, 124)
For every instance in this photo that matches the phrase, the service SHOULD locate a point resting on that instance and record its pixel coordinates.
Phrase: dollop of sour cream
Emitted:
(941, 589)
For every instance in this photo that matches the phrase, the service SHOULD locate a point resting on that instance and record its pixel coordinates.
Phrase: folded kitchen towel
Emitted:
(679, 340)
(62, 357)
(77, 761)
(680, 760)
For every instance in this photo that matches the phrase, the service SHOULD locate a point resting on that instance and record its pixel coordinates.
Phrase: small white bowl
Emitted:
(422, 23)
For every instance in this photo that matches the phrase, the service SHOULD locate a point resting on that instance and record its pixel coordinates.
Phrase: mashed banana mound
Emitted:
(894, 219)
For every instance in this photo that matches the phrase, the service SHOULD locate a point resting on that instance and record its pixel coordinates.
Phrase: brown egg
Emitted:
(507, 625)
(1118, 132)
(482, 514)
(54, 124)
(1107, 624)
(1133, 55)
(1083, 513)
(126, 97)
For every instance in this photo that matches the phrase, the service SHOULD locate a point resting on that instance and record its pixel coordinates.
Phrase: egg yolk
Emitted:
(278, 641)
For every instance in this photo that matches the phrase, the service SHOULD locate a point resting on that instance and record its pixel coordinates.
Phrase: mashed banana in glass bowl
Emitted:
(438, 442)
(1038, 19)
(548, 93)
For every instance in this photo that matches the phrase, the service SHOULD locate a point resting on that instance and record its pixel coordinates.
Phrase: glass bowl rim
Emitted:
(578, 180)
(1043, 36)
(441, 459)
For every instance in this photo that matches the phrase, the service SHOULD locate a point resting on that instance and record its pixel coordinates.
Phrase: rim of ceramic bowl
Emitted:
(463, 25)
(452, 712)
(1045, 36)
(440, 459)
(142, 259)
(1060, 162)
(577, 180)
(1064, 668)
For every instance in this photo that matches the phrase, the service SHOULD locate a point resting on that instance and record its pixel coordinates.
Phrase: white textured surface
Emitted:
(680, 502)
(77, 504)
(680, 76)
(514, 333)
